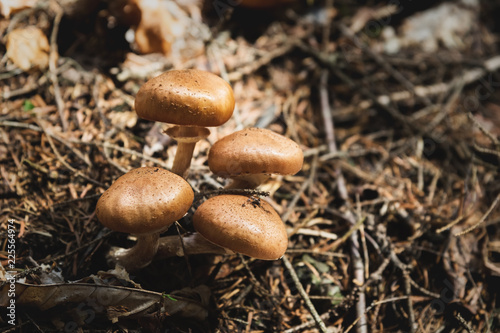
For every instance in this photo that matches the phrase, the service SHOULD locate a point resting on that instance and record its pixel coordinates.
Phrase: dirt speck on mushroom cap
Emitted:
(237, 223)
(144, 200)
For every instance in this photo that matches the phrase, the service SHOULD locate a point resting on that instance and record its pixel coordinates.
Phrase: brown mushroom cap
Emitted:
(242, 225)
(144, 200)
(189, 97)
(255, 151)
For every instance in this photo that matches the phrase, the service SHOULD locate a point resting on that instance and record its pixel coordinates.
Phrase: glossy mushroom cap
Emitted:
(245, 225)
(144, 200)
(255, 151)
(189, 97)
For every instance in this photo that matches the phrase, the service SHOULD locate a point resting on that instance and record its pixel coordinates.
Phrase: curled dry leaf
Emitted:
(28, 48)
(115, 301)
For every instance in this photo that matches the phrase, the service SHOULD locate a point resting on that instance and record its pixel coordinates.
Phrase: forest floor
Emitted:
(393, 221)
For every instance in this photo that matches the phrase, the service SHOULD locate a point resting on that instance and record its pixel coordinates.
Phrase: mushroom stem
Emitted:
(171, 246)
(182, 160)
(247, 181)
(186, 137)
(138, 256)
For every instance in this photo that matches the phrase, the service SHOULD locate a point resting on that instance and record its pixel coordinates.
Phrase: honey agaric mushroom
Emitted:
(242, 224)
(143, 202)
(191, 99)
(251, 155)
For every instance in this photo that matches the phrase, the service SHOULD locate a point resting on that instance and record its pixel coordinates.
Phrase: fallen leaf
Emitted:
(8, 7)
(115, 301)
(123, 119)
(28, 48)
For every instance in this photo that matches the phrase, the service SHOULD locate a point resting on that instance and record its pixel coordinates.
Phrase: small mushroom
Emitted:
(251, 155)
(242, 224)
(192, 100)
(143, 202)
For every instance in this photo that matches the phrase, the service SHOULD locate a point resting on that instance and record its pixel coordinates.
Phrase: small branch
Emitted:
(411, 312)
(311, 323)
(357, 260)
(61, 159)
(464, 323)
(326, 112)
(53, 66)
(319, 322)
(388, 300)
(384, 64)
(493, 205)
(490, 136)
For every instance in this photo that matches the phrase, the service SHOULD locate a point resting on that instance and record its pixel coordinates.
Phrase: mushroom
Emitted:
(192, 100)
(242, 224)
(249, 157)
(143, 202)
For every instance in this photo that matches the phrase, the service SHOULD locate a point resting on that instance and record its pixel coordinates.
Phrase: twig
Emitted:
(357, 261)
(186, 255)
(358, 272)
(388, 300)
(327, 113)
(316, 233)
(452, 223)
(8, 123)
(493, 205)
(465, 78)
(423, 290)
(302, 189)
(78, 249)
(490, 136)
(53, 65)
(464, 323)
(311, 323)
(60, 158)
(255, 64)
(411, 312)
(353, 228)
(319, 322)
(383, 63)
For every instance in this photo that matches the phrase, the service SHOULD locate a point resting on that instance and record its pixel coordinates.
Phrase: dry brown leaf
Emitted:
(8, 7)
(107, 299)
(123, 119)
(28, 48)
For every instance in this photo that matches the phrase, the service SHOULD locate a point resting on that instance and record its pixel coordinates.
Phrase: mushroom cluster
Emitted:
(146, 201)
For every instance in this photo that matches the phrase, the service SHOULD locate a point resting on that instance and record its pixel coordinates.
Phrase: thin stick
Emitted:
(490, 136)
(53, 66)
(60, 158)
(383, 63)
(493, 205)
(358, 266)
(326, 112)
(464, 323)
(301, 327)
(388, 300)
(411, 312)
(319, 322)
